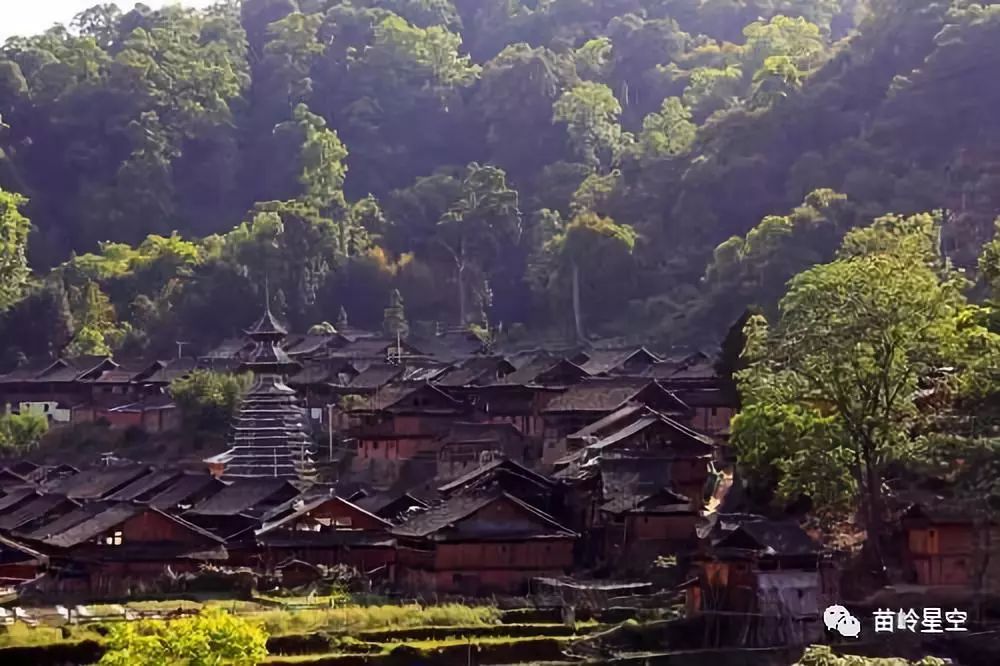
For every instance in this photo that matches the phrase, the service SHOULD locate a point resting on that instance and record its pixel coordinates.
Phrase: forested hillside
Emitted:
(556, 167)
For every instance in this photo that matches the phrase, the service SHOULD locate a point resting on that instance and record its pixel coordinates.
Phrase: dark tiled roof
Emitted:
(10, 479)
(111, 517)
(173, 370)
(66, 521)
(596, 395)
(391, 505)
(186, 487)
(25, 372)
(649, 421)
(24, 468)
(33, 510)
(456, 509)
(98, 482)
(784, 538)
(149, 484)
(599, 362)
(308, 344)
(476, 371)
(623, 415)
(529, 369)
(298, 510)
(16, 498)
(385, 396)
(267, 325)
(242, 495)
(664, 500)
(375, 376)
(230, 348)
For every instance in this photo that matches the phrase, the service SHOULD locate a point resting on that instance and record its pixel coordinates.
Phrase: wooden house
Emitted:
(759, 584)
(234, 512)
(478, 543)
(409, 428)
(107, 548)
(648, 523)
(629, 362)
(19, 563)
(950, 544)
(467, 446)
(327, 530)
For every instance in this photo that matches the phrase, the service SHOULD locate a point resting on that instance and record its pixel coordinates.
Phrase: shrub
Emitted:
(212, 637)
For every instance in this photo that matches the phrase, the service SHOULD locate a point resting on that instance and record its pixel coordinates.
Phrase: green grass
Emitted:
(21, 635)
(422, 646)
(352, 619)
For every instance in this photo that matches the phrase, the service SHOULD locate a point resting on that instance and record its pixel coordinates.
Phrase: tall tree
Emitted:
(830, 394)
(591, 113)
(479, 227)
(14, 228)
(591, 252)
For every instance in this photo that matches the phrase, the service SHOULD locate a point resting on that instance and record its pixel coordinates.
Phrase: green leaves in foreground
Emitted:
(212, 638)
(823, 655)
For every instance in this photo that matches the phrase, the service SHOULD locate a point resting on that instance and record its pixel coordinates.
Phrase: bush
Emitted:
(209, 399)
(212, 637)
(21, 432)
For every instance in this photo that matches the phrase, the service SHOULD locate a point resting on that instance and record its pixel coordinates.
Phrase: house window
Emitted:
(342, 522)
(113, 539)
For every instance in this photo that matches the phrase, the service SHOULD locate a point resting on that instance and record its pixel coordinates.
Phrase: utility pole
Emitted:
(329, 427)
(180, 348)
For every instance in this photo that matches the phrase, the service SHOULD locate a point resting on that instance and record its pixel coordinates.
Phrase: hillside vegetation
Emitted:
(668, 162)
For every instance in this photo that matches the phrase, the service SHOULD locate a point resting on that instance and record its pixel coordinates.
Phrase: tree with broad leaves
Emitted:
(830, 394)
(14, 228)
(479, 227)
(590, 252)
(591, 114)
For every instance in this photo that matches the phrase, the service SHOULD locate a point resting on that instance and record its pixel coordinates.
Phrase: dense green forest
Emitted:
(574, 168)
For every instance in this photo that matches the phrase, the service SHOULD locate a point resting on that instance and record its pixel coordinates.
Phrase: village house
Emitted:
(19, 563)
(478, 543)
(947, 544)
(599, 404)
(638, 528)
(760, 582)
(467, 446)
(109, 547)
(510, 477)
(409, 428)
(318, 528)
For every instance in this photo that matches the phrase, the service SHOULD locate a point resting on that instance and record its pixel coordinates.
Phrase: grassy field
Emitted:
(21, 635)
(352, 619)
(423, 647)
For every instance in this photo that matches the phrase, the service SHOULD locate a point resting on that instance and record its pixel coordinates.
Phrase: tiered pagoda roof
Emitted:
(270, 434)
